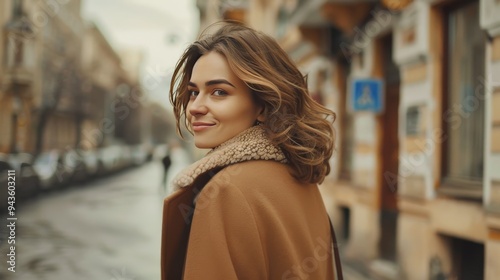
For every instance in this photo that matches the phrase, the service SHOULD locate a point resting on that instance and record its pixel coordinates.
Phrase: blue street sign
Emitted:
(367, 95)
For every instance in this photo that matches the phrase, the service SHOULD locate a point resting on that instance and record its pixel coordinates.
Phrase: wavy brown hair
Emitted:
(296, 123)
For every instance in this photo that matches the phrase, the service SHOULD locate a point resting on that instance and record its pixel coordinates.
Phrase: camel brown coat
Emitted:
(251, 220)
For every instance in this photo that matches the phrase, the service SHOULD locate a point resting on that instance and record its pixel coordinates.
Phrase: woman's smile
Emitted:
(201, 126)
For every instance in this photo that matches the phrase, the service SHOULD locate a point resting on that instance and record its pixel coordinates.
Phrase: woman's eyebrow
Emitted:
(213, 82)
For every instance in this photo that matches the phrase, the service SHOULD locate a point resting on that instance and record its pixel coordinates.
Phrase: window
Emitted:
(413, 121)
(463, 100)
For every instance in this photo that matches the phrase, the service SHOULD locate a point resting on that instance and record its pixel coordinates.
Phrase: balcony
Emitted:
(17, 75)
(20, 52)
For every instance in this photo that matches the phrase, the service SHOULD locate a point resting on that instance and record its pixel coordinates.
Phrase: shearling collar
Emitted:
(251, 144)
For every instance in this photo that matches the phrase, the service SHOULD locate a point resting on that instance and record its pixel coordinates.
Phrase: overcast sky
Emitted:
(162, 29)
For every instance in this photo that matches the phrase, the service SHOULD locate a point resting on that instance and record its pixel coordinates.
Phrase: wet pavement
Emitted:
(107, 229)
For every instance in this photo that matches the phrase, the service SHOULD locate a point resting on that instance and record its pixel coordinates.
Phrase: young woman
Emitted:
(251, 208)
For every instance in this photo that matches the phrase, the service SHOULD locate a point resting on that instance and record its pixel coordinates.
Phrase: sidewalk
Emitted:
(350, 273)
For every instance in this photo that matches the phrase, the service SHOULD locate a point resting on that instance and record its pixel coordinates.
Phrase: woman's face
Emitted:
(221, 105)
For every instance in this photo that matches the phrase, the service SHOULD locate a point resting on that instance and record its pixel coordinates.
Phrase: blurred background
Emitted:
(86, 124)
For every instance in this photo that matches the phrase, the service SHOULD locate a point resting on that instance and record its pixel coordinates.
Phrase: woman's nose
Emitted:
(198, 106)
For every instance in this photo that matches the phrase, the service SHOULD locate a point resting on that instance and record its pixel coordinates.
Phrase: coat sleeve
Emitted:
(224, 241)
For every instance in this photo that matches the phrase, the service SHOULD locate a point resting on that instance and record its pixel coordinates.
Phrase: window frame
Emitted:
(452, 186)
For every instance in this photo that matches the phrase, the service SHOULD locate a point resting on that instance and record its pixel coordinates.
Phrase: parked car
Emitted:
(110, 158)
(4, 168)
(149, 150)
(125, 157)
(139, 154)
(51, 170)
(74, 166)
(91, 161)
(27, 183)
(160, 151)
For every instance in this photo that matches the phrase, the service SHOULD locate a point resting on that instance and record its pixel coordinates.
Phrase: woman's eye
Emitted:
(219, 92)
(192, 93)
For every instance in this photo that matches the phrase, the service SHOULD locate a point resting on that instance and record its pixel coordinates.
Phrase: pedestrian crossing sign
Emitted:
(367, 95)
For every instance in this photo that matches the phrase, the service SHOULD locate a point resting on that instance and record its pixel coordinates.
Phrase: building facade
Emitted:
(19, 74)
(5, 98)
(415, 186)
(62, 84)
(41, 75)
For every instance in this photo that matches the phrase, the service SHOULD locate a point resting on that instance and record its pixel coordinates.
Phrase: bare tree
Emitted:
(61, 79)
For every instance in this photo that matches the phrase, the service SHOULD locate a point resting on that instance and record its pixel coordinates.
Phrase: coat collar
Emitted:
(251, 144)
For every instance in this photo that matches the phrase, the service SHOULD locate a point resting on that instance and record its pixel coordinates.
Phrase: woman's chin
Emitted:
(202, 145)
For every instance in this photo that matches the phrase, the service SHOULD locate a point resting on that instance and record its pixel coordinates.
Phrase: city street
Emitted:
(107, 229)
(90, 90)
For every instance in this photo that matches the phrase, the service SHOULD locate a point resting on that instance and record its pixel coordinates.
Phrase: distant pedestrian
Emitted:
(179, 159)
(251, 208)
(166, 161)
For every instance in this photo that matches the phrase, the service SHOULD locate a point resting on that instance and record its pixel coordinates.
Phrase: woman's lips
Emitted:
(201, 126)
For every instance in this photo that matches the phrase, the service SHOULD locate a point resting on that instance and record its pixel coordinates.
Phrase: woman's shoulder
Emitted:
(256, 170)
(267, 187)
(257, 177)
